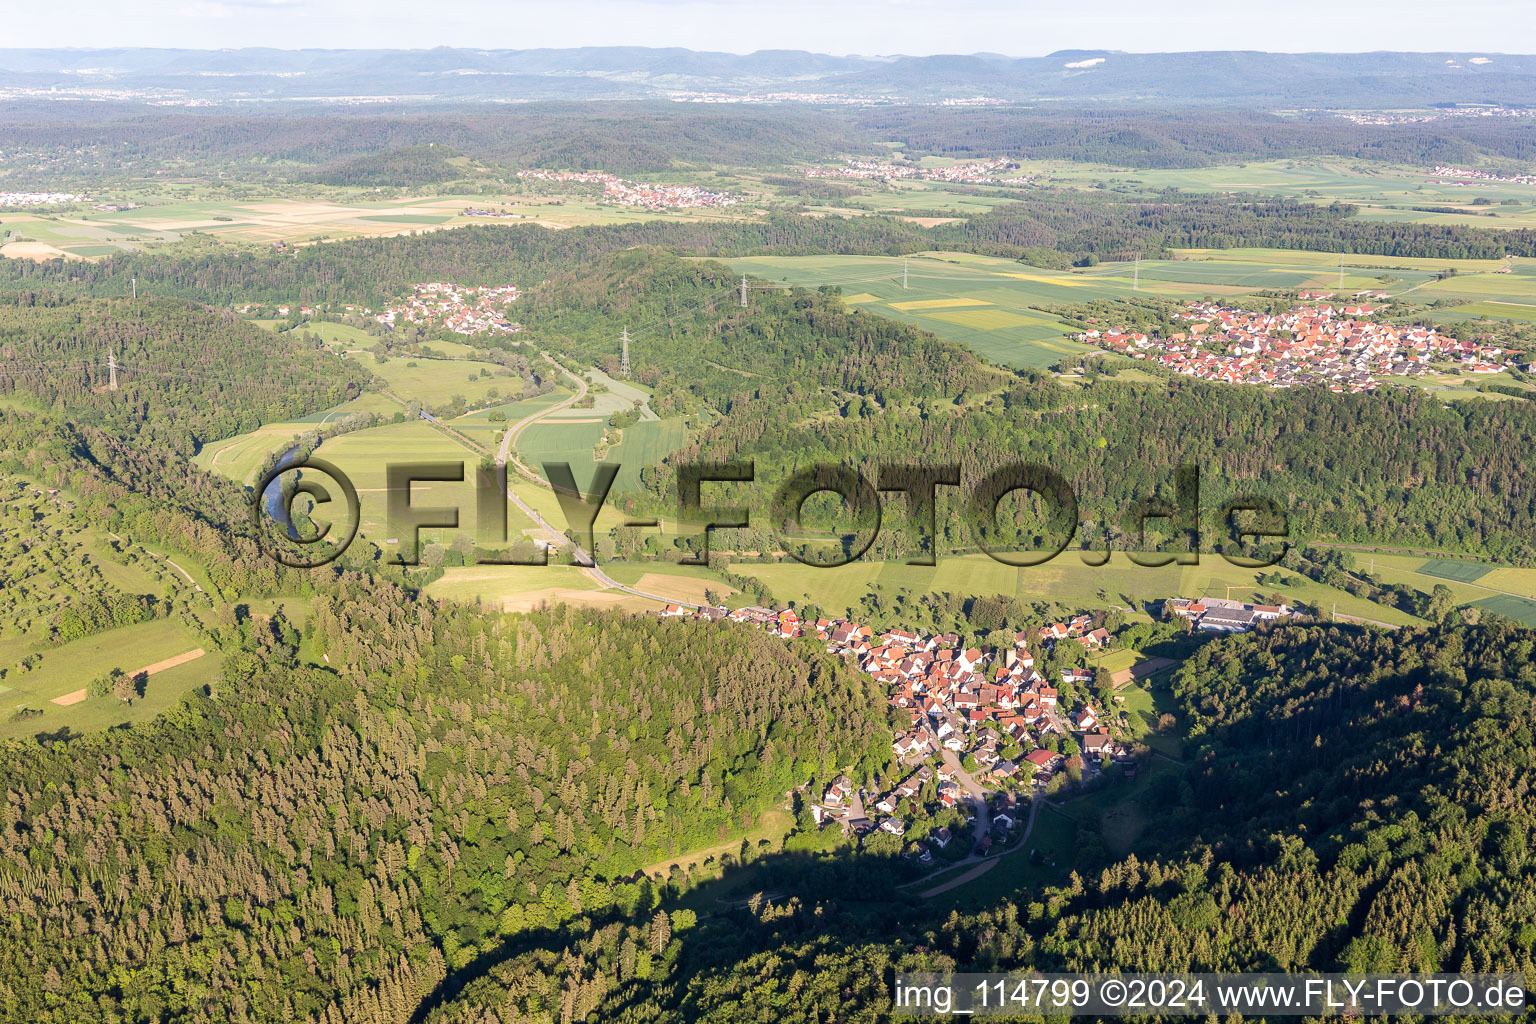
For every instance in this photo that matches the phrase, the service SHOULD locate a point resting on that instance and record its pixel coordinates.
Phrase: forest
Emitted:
(647, 137)
(1183, 138)
(1409, 752)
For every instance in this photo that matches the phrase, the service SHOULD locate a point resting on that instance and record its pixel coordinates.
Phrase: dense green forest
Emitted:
(1175, 138)
(410, 167)
(1351, 800)
(186, 376)
(1417, 470)
(299, 840)
(625, 138)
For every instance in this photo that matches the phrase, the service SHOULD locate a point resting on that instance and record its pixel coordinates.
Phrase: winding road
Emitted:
(553, 537)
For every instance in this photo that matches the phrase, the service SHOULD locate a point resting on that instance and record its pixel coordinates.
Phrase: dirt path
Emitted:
(161, 666)
(971, 875)
(184, 572)
(76, 696)
(1141, 670)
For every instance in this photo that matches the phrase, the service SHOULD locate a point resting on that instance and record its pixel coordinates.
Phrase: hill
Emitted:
(1374, 80)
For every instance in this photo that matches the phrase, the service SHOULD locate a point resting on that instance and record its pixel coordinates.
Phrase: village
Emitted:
(1334, 347)
(1464, 176)
(984, 732)
(40, 198)
(462, 310)
(647, 196)
(979, 172)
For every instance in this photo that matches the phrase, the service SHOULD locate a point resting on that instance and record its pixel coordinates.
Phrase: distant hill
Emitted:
(1221, 78)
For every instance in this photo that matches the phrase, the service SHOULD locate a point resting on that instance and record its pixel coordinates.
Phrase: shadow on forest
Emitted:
(727, 930)
(1230, 801)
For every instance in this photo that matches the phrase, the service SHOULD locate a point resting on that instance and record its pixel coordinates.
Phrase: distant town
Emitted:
(40, 198)
(977, 172)
(1332, 346)
(1464, 176)
(620, 192)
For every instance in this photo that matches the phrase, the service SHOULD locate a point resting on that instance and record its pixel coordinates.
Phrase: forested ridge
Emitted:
(649, 137)
(622, 138)
(1414, 471)
(1353, 801)
(186, 375)
(1175, 138)
(694, 343)
(299, 841)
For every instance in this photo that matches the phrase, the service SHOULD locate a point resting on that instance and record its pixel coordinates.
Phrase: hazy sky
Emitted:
(1021, 28)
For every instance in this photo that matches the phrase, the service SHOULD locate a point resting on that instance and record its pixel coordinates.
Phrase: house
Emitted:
(1044, 760)
(940, 837)
(1098, 744)
(895, 826)
(1085, 720)
(839, 793)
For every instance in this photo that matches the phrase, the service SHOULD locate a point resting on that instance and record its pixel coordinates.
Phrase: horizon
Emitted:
(894, 55)
(883, 28)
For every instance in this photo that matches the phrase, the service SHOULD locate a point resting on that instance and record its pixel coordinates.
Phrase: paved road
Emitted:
(977, 797)
(553, 537)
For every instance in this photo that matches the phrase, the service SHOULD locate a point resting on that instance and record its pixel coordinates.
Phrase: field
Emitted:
(1504, 590)
(293, 214)
(1517, 288)
(343, 337)
(1065, 580)
(1499, 310)
(524, 588)
(644, 445)
(1000, 323)
(435, 382)
(993, 305)
(1462, 572)
(1381, 191)
(66, 670)
(1521, 609)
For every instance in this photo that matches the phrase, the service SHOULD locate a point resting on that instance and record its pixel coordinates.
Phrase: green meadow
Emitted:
(1381, 191)
(436, 381)
(71, 667)
(994, 305)
(1065, 580)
